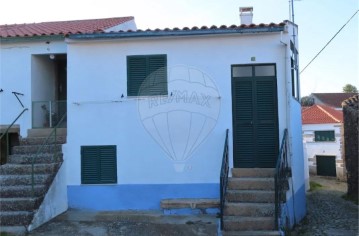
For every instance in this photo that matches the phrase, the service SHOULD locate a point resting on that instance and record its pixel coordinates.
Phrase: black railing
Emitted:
(282, 172)
(224, 178)
(4, 154)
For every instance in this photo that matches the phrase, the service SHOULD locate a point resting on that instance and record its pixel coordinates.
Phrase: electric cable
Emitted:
(329, 41)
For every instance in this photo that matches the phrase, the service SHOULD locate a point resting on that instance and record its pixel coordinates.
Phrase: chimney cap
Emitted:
(246, 9)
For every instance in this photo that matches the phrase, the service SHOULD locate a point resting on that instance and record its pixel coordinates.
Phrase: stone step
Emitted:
(259, 196)
(240, 223)
(33, 149)
(41, 158)
(16, 217)
(26, 169)
(13, 230)
(15, 180)
(19, 204)
(251, 183)
(42, 140)
(22, 191)
(45, 132)
(253, 172)
(199, 203)
(251, 233)
(248, 209)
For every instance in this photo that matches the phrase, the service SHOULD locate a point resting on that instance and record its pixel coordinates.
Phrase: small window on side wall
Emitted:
(98, 165)
(324, 136)
(147, 75)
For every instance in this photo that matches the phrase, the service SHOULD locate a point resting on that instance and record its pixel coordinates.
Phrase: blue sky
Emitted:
(318, 21)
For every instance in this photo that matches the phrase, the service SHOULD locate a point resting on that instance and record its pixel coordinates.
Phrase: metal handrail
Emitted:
(280, 178)
(7, 131)
(44, 143)
(224, 178)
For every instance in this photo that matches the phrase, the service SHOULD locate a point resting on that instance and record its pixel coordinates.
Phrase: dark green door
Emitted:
(326, 166)
(255, 116)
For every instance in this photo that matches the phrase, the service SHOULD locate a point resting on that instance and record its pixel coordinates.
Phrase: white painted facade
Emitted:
(98, 69)
(328, 148)
(100, 112)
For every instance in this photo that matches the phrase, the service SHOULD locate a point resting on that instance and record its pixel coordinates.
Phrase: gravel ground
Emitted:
(327, 212)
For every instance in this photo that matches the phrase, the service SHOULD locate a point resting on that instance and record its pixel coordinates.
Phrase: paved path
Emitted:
(327, 212)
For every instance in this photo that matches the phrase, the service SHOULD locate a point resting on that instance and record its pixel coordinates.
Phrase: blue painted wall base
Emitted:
(296, 207)
(134, 196)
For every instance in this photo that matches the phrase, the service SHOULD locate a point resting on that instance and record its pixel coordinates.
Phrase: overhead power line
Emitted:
(329, 41)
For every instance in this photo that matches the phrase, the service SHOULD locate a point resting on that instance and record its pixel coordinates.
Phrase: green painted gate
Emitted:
(255, 116)
(326, 166)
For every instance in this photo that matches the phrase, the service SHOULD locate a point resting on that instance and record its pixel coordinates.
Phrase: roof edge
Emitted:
(177, 32)
(32, 38)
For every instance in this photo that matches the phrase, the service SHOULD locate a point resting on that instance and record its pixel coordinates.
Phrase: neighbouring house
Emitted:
(333, 100)
(323, 141)
(189, 120)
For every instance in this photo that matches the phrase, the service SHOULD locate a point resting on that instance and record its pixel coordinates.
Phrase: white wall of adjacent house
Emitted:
(313, 148)
(20, 64)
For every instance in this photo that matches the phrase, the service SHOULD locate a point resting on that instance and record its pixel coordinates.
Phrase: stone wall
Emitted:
(351, 130)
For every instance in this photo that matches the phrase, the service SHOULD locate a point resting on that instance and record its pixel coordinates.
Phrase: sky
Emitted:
(318, 22)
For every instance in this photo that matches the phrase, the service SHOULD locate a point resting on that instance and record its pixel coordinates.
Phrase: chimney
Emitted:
(246, 15)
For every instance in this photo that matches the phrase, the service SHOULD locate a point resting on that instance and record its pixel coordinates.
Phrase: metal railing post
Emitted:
(50, 114)
(7, 146)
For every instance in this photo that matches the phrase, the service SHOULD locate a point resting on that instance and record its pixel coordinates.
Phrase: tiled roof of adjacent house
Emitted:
(99, 27)
(321, 114)
(61, 27)
(331, 99)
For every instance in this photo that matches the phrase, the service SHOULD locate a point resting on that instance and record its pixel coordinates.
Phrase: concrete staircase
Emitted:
(17, 202)
(249, 207)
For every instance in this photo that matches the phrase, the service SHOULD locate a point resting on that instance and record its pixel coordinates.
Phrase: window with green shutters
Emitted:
(98, 165)
(147, 75)
(323, 136)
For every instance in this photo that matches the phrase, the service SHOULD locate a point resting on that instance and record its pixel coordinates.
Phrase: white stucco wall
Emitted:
(98, 69)
(16, 76)
(129, 25)
(330, 148)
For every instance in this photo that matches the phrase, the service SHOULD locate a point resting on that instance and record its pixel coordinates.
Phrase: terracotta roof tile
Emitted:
(61, 27)
(321, 114)
(331, 99)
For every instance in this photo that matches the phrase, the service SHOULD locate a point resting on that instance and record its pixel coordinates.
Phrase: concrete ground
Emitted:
(133, 223)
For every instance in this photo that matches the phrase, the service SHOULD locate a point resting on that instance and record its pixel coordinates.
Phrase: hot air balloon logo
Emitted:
(181, 120)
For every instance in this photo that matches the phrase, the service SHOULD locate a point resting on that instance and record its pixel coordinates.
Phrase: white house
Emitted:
(323, 141)
(147, 111)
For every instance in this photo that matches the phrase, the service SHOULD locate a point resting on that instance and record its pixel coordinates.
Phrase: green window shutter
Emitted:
(89, 165)
(322, 136)
(136, 74)
(98, 165)
(147, 75)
